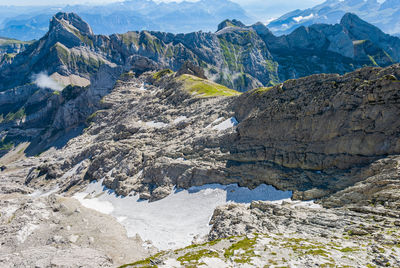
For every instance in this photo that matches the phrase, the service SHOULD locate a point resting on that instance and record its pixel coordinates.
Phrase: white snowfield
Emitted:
(228, 123)
(175, 221)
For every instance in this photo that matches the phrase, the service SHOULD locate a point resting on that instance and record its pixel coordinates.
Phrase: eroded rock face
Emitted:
(147, 139)
(190, 68)
(380, 187)
(288, 217)
(327, 126)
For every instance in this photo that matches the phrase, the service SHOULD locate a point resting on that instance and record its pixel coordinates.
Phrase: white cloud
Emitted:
(301, 18)
(42, 80)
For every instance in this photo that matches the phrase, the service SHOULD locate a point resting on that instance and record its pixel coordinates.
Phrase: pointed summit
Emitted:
(71, 21)
(230, 23)
(360, 31)
(70, 30)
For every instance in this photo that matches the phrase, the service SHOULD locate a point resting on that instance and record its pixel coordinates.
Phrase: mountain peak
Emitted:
(70, 21)
(350, 18)
(230, 23)
(359, 28)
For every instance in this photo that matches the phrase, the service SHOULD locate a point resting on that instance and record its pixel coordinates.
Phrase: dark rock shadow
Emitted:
(245, 195)
(57, 141)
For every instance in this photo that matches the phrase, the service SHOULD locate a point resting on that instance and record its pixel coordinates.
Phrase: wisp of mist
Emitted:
(42, 80)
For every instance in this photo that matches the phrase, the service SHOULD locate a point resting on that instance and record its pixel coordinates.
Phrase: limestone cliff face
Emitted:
(325, 126)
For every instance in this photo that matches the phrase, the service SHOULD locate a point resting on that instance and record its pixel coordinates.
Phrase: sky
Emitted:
(269, 8)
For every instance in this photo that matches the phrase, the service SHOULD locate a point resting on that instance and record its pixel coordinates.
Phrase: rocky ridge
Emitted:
(279, 130)
(238, 56)
(28, 23)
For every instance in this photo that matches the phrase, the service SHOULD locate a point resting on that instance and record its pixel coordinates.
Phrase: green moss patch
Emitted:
(197, 255)
(144, 263)
(246, 244)
(160, 74)
(15, 116)
(262, 90)
(205, 88)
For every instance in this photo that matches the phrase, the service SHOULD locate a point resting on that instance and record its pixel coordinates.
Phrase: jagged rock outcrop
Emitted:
(9, 48)
(237, 56)
(323, 48)
(360, 30)
(120, 17)
(189, 68)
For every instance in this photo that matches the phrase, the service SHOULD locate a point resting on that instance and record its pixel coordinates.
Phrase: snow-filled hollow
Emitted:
(175, 221)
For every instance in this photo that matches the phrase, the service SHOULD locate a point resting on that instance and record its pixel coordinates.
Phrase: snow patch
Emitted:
(180, 119)
(215, 121)
(142, 87)
(105, 207)
(229, 123)
(176, 220)
(307, 204)
(39, 193)
(153, 124)
(26, 231)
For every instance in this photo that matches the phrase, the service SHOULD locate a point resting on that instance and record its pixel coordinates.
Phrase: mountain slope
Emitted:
(339, 48)
(148, 139)
(383, 15)
(238, 56)
(48, 90)
(9, 48)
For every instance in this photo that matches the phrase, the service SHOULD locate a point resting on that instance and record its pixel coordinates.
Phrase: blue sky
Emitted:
(269, 8)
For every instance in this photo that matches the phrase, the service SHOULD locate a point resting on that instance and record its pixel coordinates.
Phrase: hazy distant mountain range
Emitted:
(24, 23)
(384, 14)
(27, 23)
